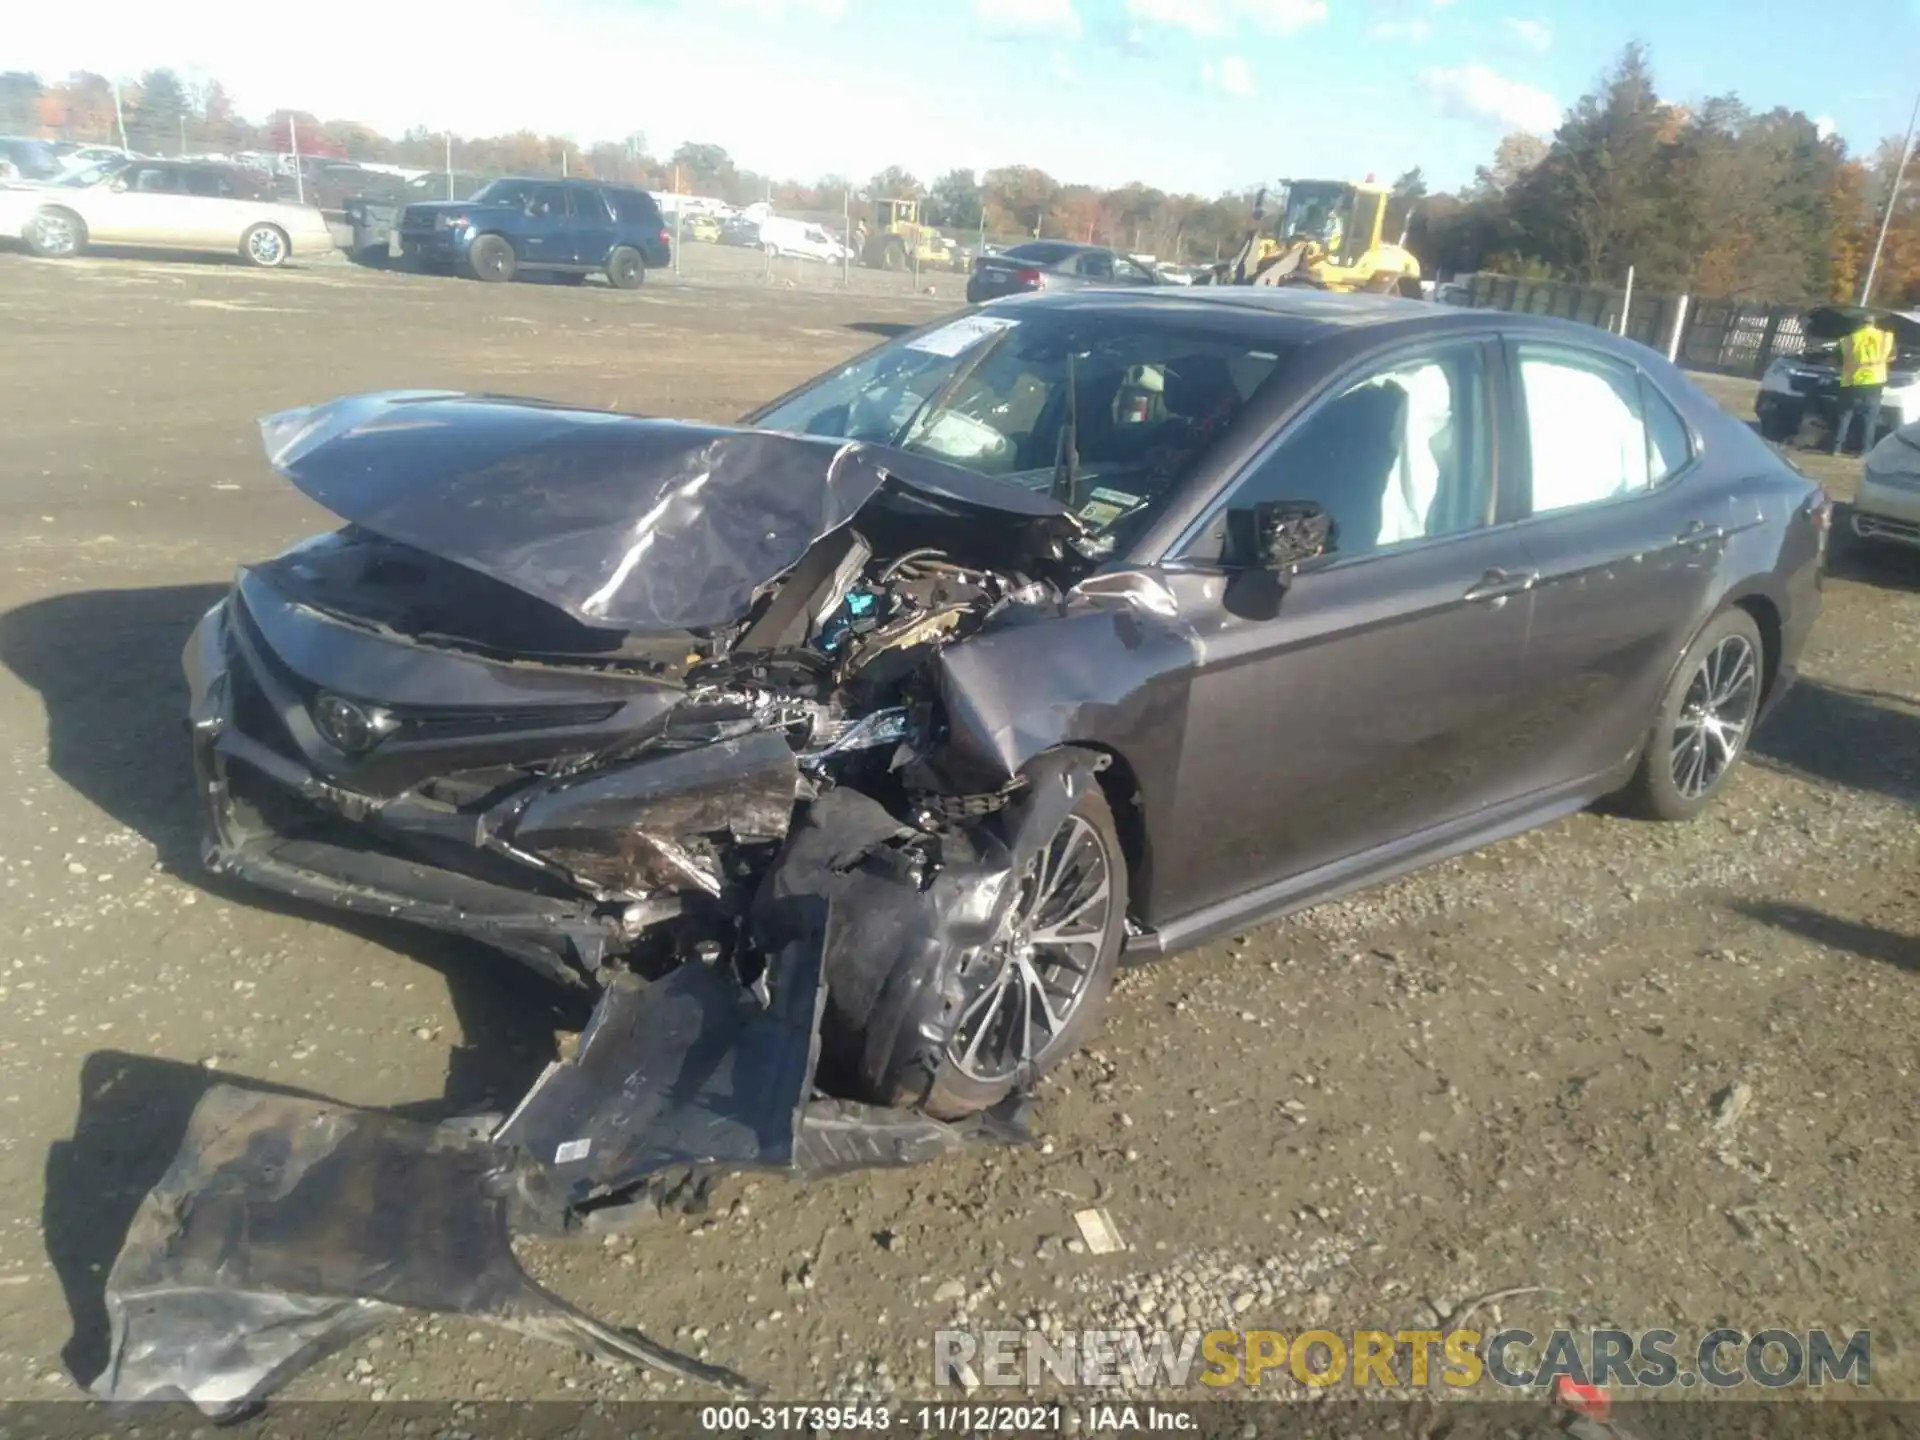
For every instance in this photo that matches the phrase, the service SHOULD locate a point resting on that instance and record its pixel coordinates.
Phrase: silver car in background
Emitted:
(165, 204)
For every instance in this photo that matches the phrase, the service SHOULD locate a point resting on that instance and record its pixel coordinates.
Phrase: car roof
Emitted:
(1297, 315)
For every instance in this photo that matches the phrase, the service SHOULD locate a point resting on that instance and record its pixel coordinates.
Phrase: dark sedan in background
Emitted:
(1091, 622)
(1052, 265)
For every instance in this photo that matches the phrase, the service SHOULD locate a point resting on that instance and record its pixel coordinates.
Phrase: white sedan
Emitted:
(1886, 502)
(167, 204)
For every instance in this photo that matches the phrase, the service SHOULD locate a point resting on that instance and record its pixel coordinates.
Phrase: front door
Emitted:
(592, 226)
(1626, 540)
(1376, 700)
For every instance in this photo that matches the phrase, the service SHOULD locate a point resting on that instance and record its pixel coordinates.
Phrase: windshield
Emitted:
(506, 192)
(1106, 412)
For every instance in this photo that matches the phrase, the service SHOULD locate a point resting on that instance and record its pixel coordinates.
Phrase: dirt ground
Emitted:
(1508, 1071)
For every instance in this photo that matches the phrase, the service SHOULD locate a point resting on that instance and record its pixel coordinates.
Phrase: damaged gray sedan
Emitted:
(1253, 573)
(845, 752)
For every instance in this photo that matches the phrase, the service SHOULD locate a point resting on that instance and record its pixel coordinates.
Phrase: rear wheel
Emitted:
(626, 270)
(56, 234)
(492, 258)
(1704, 724)
(894, 257)
(266, 246)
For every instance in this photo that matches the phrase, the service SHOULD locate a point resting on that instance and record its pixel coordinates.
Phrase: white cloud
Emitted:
(1823, 126)
(1028, 17)
(1222, 17)
(1474, 92)
(1199, 17)
(1232, 76)
(1285, 16)
(780, 9)
(1412, 31)
(1536, 35)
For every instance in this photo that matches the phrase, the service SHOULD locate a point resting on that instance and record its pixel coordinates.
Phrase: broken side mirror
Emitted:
(1266, 544)
(1279, 536)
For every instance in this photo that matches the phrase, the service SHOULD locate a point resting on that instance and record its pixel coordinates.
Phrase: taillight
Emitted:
(666, 236)
(1027, 277)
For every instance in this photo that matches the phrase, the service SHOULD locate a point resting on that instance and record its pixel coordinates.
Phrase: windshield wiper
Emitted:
(1066, 463)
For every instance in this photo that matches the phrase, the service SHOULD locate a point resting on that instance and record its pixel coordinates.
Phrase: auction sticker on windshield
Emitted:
(962, 335)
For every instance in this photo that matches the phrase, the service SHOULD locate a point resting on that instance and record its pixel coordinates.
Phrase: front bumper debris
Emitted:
(286, 1227)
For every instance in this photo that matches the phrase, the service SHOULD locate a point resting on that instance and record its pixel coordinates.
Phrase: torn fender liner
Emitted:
(910, 914)
(644, 525)
(286, 1227)
(689, 1069)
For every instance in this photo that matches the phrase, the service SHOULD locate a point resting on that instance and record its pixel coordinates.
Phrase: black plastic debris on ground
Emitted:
(286, 1227)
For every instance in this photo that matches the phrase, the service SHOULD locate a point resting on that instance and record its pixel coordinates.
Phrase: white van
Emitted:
(799, 239)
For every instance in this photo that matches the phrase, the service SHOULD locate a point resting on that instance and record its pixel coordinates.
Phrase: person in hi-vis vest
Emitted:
(1864, 357)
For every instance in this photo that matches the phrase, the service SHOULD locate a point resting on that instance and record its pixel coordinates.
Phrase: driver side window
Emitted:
(1399, 456)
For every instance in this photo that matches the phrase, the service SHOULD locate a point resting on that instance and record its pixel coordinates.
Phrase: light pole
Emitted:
(1893, 199)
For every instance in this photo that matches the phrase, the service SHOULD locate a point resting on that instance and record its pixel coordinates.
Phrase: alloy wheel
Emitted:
(55, 233)
(1715, 718)
(265, 247)
(1043, 962)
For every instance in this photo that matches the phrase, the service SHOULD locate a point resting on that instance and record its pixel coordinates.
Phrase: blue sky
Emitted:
(1199, 95)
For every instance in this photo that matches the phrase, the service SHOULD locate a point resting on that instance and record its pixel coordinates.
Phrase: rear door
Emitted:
(592, 225)
(1376, 699)
(1626, 537)
(546, 238)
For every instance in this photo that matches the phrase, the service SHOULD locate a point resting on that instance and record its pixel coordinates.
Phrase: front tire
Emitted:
(1778, 426)
(265, 246)
(56, 233)
(626, 268)
(1704, 724)
(977, 1023)
(492, 259)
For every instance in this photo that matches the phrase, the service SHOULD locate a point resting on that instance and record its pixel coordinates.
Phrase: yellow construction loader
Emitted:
(1327, 234)
(900, 242)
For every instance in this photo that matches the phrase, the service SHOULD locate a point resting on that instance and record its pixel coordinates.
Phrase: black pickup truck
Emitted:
(375, 216)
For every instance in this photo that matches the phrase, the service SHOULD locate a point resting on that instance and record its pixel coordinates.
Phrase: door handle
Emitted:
(1698, 532)
(1498, 584)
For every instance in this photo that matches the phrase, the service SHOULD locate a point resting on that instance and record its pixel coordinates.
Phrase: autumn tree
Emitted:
(156, 117)
(702, 168)
(19, 102)
(954, 200)
(895, 183)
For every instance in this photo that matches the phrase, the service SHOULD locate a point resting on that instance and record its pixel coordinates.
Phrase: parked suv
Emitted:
(565, 227)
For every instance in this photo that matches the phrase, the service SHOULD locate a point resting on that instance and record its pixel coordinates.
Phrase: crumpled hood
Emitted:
(621, 522)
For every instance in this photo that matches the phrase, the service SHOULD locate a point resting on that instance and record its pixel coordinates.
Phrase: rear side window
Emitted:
(587, 204)
(1588, 440)
(1041, 252)
(1097, 264)
(548, 201)
(636, 207)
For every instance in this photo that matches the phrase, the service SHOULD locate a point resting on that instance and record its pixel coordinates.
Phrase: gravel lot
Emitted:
(1667, 1074)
